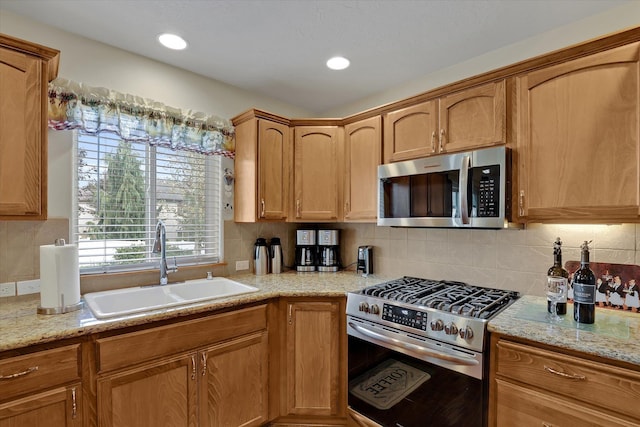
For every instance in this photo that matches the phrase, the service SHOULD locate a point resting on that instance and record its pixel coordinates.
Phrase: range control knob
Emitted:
(466, 333)
(364, 307)
(374, 309)
(438, 325)
(451, 329)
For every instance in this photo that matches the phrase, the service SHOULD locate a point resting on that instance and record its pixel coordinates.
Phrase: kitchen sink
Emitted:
(121, 302)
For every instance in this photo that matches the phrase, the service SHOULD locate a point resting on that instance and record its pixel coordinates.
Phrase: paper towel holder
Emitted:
(64, 308)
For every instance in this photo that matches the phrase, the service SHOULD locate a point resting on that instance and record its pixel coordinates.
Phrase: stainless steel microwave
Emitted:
(466, 189)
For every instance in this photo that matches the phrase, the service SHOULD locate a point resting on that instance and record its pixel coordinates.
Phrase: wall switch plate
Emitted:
(28, 287)
(242, 265)
(7, 289)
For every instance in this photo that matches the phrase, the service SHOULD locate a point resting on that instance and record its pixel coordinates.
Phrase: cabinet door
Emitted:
(473, 118)
(578, 138)
(411, 132)
(522, 407)
(161, 394)
(235, 382)
(273, 170)
(21, 134)
(315, 381)
(317, 193)
(363, 145)
(60, 407)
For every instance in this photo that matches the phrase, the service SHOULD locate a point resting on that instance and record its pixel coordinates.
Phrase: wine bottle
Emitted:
(584, 289)
(557, 278)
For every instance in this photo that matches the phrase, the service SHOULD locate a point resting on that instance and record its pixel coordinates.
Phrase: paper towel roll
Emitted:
(59, 276)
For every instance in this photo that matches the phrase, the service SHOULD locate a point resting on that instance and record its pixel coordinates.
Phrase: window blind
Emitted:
(123, 188)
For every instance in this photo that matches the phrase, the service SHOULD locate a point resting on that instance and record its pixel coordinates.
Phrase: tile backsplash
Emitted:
(508, 259)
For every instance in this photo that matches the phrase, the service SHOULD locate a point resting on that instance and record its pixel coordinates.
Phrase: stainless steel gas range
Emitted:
(417, 351)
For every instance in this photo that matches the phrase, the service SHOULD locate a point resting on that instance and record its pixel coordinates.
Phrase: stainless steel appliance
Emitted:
(260, 257)
(275, 255)
(328, 250)
(364, 262)
(306, 250)
(436, 329)
(469, 189)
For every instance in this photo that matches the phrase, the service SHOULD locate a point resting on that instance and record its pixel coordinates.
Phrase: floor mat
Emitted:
(387, 384)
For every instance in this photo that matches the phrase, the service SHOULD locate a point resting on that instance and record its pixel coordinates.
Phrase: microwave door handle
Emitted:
(464, 199)
(460, 360)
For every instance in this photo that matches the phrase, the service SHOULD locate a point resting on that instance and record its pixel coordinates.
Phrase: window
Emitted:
(123, 188)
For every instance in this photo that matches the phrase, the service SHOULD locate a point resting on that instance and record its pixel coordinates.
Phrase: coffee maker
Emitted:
(306, 250)
(328, 250)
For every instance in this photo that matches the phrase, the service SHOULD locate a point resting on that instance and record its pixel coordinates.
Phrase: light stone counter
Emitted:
(614, 335)
(20, 326)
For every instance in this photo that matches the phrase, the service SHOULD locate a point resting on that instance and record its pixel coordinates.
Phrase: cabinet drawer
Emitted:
(38, 371)
(521, 407)
(137, 347)
(590, 382)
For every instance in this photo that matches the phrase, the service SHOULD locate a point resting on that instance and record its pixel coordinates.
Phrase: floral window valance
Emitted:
(77, 106)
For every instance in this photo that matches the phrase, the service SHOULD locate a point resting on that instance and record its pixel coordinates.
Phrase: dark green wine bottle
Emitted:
(584, 290)
(560, 276)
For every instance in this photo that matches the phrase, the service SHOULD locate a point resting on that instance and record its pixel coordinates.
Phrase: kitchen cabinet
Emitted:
(317, 169)
(262, 167)
(314, 381)
(42, 389)
(210, 371)
(468, 119)
(533, 386)
(578, 141)
(25, 69)
(363, 146)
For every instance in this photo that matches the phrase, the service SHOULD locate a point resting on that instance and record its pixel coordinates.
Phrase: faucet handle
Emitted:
(175, 266)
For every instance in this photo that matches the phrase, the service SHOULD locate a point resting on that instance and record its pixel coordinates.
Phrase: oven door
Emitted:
(398, 385)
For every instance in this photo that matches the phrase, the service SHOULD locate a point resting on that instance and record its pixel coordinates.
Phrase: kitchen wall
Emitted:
(510, 258)
(515, 259)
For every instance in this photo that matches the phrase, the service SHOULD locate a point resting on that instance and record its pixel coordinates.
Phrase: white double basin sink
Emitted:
(122, 302)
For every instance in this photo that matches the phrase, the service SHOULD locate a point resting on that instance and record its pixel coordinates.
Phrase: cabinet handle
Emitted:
(204, 364)
(193, 367)
(521, 203)
(19, 374)
(298, 208)
(442, 141)
(262, 208)
(74, 404)
(290, 314)
(563, 375)
(346, 208)
(433, 141)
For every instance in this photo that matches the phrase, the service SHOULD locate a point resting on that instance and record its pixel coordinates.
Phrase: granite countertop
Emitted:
(21, 326)
(614, 335)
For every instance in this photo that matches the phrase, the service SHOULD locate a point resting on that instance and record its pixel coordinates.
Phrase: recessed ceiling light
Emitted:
(172, 41)
(338, 63)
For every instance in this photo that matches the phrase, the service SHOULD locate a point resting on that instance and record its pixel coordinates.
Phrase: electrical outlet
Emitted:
(7, 289)
(242, 265)
(28, 287)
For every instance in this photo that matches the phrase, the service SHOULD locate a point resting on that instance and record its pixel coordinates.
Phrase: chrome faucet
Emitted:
(159, 246)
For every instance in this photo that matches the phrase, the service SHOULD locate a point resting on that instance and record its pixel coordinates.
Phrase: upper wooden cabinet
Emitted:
(578, 142)
(261, 168)
(25, 69)
(317, 183)
(471, 118)
(363, 146)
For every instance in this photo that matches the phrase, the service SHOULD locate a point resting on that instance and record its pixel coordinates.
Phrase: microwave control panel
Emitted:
(486, 190)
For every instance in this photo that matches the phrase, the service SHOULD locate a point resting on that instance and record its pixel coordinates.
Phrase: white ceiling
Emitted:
(278, 47)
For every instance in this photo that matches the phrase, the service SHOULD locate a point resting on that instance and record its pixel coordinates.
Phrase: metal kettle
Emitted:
(260, 257)
(275, 255)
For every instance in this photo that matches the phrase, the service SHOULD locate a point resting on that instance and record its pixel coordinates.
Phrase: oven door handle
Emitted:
(461, 360)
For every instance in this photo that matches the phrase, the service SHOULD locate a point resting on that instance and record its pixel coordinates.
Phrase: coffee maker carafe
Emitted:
(306, 250)
(328, 250)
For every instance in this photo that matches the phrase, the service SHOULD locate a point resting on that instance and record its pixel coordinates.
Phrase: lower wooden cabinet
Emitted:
(59, 407)
(313, 386)
(532, 386)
